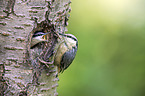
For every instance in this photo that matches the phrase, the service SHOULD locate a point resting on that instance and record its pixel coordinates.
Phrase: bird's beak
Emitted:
(44, 37)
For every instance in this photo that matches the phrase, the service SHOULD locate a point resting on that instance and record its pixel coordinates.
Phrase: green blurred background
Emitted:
(111, 57)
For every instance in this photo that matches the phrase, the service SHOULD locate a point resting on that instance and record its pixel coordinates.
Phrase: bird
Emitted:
(37, 38)
(66, 51)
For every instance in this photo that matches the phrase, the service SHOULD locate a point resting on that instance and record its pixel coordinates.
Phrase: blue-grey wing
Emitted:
(67, 59)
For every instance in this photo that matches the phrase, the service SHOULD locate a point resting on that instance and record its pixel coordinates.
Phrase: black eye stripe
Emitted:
(72, 38)
(69, 36)
(38, 34)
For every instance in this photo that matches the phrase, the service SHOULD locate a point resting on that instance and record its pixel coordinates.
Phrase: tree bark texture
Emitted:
(21, 72)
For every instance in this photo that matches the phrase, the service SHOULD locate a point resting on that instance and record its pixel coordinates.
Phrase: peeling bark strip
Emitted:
(21, 72)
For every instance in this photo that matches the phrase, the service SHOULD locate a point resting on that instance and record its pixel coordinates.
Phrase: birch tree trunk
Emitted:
(20, 74)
